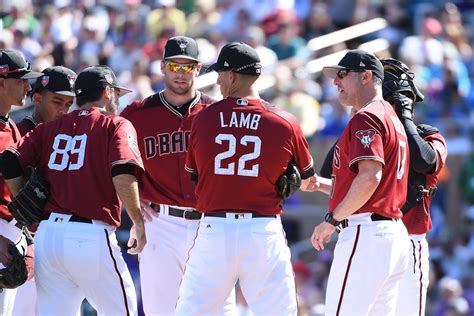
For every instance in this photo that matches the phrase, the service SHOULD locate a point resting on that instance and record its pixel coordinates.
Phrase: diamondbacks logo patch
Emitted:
(109, 78)
(366, 136)
(45, 81)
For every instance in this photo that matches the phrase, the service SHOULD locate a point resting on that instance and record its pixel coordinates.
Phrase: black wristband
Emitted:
(329, 219)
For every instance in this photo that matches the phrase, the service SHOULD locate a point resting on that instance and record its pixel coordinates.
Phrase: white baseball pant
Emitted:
(414, 284)
(10, 231)
(77, 260)
(370, 259)
(239, 247)
(162, 262)
(26, 300)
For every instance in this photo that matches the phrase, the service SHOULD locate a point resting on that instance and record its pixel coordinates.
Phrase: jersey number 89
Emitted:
(64, 147)
(230, 168)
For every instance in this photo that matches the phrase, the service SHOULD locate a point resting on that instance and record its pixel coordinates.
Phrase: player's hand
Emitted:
(5, 256)
(322, 234)
(310, 185)
(137, 240)
(147, 211)
(30, 261)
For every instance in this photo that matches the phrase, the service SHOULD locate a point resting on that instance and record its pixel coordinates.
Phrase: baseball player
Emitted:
(367, 188)
(14, 74)
(428, 155)
(238, 148)
(91, 159)
(52, 95)
(163, 123)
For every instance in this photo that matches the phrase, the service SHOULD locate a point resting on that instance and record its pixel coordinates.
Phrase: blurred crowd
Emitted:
(434, 38)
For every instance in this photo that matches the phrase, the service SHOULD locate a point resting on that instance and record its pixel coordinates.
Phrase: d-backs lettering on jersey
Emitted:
(163, 139)
(76, 153)
(26, 125)
(238, 148)
(9, 134)
(418, 219)
(374, 133)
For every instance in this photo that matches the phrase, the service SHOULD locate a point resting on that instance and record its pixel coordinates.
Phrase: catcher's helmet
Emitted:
(398, 78)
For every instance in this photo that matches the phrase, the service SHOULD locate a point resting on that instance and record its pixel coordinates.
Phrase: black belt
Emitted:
(375, 218)
(178, 212)
(224, 214)
(79, 219)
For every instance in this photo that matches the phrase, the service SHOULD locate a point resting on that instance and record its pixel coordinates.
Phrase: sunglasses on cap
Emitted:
(344, 72)
(175, 67)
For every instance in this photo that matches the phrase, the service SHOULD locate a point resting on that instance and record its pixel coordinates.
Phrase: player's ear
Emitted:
(107, 93)
(37, 98)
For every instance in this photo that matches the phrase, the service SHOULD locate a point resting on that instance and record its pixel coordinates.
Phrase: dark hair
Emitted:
(89, 97)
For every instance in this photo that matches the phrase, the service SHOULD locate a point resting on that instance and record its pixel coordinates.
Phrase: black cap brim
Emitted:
(182, 57)
(31, 75)
(331, 71)
(216, 67)
(123, 90)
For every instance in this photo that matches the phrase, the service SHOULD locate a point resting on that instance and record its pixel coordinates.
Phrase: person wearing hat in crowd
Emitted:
(52, 95)
(238, 148)
(163, 122)
(91, 160)
(367, 189)
(14, 74)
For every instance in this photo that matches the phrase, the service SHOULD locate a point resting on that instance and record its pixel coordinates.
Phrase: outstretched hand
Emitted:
(137, 240)
(322, 234)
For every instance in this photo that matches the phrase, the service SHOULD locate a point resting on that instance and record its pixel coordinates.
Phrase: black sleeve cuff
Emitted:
(10, 166)
(124, 169)
(307, 174)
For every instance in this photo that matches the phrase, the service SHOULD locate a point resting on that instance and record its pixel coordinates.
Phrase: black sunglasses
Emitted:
(344, 72)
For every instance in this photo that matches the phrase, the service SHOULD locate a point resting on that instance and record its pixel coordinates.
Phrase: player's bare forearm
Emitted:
(325, 185)
(15, 184)
(361, 189)
(126, 186)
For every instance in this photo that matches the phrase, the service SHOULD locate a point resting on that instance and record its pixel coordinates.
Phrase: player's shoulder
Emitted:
(279, 114)
(150, 101)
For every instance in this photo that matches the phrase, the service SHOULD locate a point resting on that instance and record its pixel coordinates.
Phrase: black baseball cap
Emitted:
(14, 65)
(357, 60)
(238, 57)
(97, 77)
(57, 79)
(181, 47)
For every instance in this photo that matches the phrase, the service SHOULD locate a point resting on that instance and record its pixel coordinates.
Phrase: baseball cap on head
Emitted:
(14, 65)
(56, 79)
(356, 60)
(181, 47)
(238, 57)
(97, 77)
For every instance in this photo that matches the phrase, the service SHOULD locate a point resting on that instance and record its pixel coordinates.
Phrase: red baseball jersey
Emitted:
(374, 133)
(26, 125)
(163, 136)
(9, 134)
(76, 153)
(238, 149)
(418, 219)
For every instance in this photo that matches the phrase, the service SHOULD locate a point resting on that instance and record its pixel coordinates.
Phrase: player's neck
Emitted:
(4, 108)
(178, 100)
(368, 97)
(245, 92)
(38, 119)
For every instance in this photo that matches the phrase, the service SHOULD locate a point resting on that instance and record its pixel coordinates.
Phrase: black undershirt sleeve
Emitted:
(423, 156)
(10, 166)
(123, 169)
